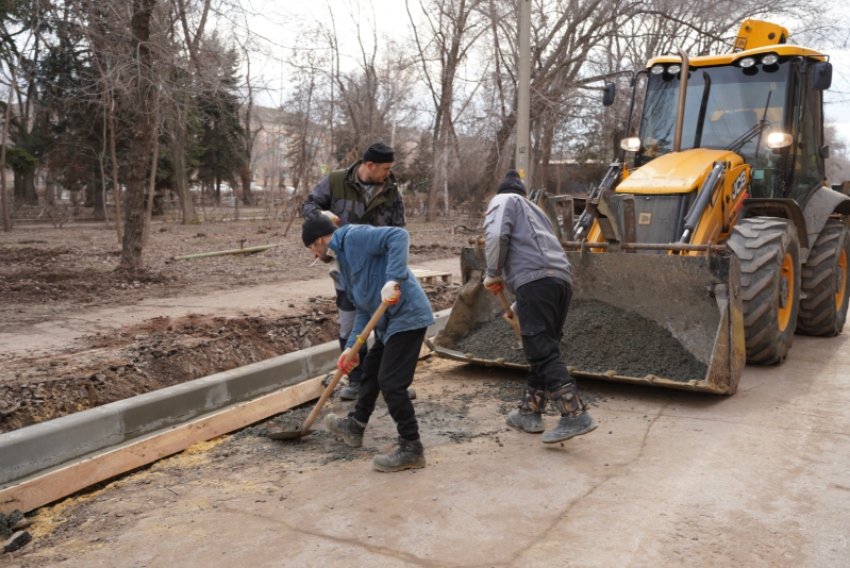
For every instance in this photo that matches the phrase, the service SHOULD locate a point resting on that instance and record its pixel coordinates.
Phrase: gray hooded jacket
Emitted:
(520, 243)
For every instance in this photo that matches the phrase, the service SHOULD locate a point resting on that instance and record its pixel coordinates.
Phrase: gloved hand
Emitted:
(513, 309)
(390, 292)
(347, 367)
(331, 216)
(495, 284)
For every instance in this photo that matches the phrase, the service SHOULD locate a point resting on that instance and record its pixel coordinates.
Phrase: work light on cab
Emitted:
(657, 69)
(769, 59)
(630, 144)
(777, 140)
(747, 62)
(673, 69)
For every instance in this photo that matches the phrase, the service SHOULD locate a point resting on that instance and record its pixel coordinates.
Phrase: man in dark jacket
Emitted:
(524, 254)
(371, 262)
(364, 193)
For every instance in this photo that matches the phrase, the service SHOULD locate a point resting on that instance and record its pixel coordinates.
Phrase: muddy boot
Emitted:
(409, 455)
(575, 421)
(411, 394)
(346, 428)
(529, 417)
(351, 392)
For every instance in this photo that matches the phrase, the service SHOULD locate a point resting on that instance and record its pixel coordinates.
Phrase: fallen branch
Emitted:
(225, 252)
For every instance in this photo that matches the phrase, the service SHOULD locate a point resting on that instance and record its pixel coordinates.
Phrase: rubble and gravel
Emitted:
(598, 338)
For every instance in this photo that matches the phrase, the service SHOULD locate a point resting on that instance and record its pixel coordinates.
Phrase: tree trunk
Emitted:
(152, 186)
(94, 192)
(245, 175)
(50, 193)
(134, 226)
(178, 143)
(494, 167)
(25, 189)
(541, 173)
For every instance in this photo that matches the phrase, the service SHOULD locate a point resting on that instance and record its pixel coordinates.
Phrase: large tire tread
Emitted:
(819, 315)
(761, 244)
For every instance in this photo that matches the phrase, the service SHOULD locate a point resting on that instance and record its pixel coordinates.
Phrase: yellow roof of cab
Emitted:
(729, 58)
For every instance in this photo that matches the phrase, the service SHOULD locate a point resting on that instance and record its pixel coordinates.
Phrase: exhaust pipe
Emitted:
(683, 89)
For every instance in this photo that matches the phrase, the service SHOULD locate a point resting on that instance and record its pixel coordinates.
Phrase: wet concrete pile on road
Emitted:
(597, 338)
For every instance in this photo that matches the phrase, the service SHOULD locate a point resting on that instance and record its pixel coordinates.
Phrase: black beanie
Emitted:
(512, 184)
(379, 153)
(315, 227)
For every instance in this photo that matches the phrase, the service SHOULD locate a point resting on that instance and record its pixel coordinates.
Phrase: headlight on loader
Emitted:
(777, 140)
(630, 144)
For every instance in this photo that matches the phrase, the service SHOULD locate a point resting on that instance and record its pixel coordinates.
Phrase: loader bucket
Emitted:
(664, 320)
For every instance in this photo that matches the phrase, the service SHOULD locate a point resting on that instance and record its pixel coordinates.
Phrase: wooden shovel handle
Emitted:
(364, 335)
(512, 319)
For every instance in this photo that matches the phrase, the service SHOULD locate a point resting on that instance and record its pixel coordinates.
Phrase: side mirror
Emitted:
(609, 91)
(824, 152)
(822, 76)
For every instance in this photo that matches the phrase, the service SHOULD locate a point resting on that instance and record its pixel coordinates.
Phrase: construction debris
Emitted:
(17, 541)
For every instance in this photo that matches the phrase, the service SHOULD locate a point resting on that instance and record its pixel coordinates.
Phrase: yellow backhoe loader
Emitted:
(719, 231)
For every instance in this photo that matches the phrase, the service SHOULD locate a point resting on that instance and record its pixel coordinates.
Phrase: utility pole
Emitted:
(523, 136)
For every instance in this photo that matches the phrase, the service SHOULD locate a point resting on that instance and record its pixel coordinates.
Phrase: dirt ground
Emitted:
(672, 479)
(669, 479)
(76, 334)
(46, 272)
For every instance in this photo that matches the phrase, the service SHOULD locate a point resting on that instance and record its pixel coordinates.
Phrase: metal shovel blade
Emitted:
(289, 434)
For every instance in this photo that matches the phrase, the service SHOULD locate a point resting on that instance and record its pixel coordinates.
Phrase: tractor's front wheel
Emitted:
(769, 254)
(824, 280)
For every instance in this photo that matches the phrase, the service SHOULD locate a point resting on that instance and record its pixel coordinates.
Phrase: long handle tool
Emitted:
(510, 315)
(361, 339)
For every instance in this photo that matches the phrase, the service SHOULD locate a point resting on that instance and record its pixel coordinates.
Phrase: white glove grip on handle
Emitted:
(390, 292)
(331, 216)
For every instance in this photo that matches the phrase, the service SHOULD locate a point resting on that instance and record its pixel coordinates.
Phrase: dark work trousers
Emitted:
(388, 370)
(347, 312)
(542, 307)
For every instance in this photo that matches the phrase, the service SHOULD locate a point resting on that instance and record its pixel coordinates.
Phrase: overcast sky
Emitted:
(275, 25)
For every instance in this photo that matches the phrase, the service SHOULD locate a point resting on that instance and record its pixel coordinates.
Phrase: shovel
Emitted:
(305, 428)
(510, 316)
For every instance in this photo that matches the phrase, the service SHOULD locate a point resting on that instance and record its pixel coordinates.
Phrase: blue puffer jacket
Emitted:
(368, 257)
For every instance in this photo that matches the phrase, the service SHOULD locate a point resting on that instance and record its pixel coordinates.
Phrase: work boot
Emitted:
(529, 416)
(409, 455)
(411, 394)
(346, 428)
(575, 420)
(350, 392)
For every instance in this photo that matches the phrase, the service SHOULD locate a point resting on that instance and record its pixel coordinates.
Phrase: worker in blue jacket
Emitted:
(371, 263)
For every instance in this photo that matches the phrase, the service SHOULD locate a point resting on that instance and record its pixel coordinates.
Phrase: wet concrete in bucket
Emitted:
(598, 338)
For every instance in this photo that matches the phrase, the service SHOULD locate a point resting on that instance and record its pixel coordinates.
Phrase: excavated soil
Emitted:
(160, 353)
(598, 338)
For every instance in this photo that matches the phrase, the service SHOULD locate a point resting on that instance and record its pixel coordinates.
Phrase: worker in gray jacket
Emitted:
(524, 255)
(366, 193)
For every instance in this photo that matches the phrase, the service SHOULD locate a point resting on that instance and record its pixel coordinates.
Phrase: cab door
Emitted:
(806, 165)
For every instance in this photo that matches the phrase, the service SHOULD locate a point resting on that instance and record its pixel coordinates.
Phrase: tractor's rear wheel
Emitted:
(824, 281)
(769, 255)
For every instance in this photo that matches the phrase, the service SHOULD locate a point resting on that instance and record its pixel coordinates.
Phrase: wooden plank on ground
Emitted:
(48, 487)
(430, 276)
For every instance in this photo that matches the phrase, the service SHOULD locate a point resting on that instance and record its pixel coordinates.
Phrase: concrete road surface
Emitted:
(669, 479)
